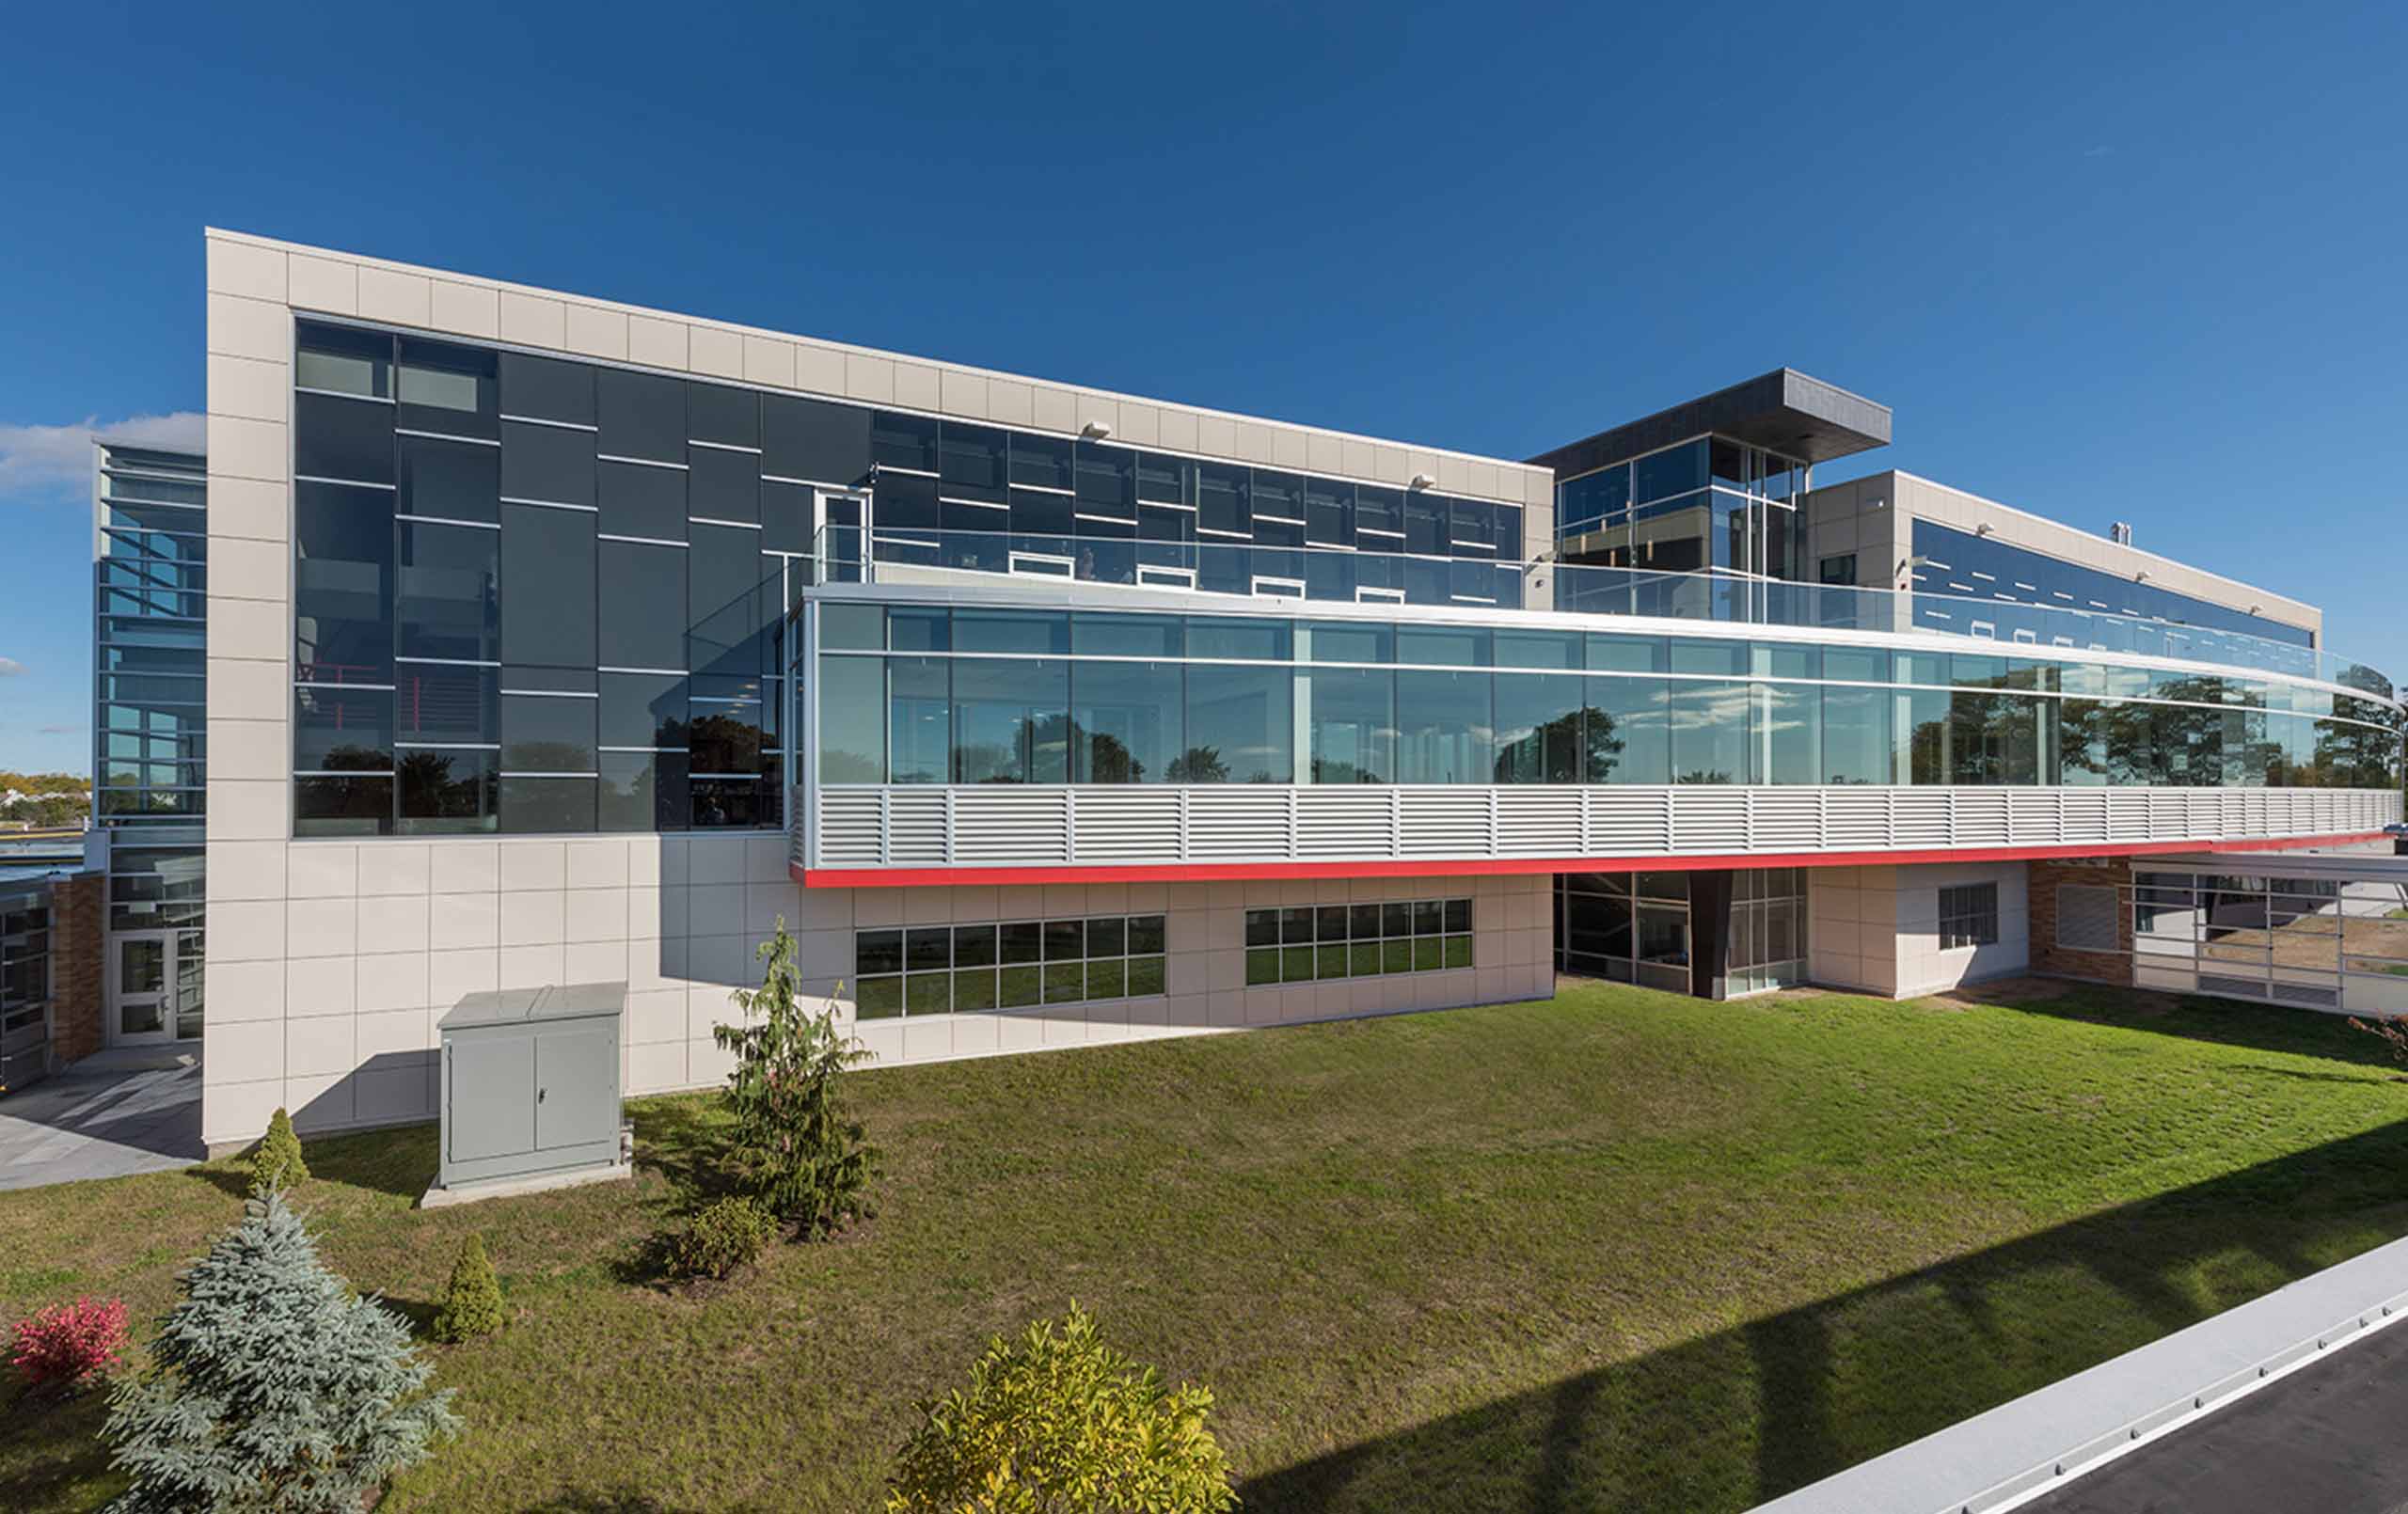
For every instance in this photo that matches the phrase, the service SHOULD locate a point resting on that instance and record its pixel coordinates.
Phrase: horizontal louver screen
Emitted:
(1008, 825)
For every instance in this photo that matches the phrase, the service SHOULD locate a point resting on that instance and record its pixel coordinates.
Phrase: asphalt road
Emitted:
(2326, 1439)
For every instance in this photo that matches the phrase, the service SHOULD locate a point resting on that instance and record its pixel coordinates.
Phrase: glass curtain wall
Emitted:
(534, 594)
(2332, 943)
(1708, 505)
(915, 695)
(1961, 565)
(24, 980)
(538, 595)
(1640, 927)
(150, 730)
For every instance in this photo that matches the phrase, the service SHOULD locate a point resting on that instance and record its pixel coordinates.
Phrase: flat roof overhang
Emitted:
(912, 878)
(1784, 411)
(2296, 861)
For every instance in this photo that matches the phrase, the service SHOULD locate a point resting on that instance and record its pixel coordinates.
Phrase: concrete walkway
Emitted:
(100, 1124)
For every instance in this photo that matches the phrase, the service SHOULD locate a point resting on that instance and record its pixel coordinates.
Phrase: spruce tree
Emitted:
(278, 1161)
(472, 1303)
(795, 1149)
(272, 1386)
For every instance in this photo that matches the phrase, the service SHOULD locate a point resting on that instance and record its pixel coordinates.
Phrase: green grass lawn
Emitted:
(1618, 1251)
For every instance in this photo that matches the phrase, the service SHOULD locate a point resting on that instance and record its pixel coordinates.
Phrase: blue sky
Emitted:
(2107, 262)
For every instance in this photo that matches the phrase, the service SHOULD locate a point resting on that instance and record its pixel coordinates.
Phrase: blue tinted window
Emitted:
(1243, 638)
(343, 584)
(1675, 470)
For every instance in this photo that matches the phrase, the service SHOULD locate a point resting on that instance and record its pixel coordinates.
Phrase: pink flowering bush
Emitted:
(69, 1344)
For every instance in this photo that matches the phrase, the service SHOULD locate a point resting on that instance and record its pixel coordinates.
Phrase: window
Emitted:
(548, 609)
(1240, 724)
(1445, 726)
(2086, 918)
(447, 791)
(1350, 723)
(1840, 572)
(1127, 721)
(1306, 942)
(449, 480)
(1968, 916)
(641, 414)
(445, 598)
(343, 584)
(1011, 720)
(342, 361)
(1539, 728)
(643, 501)
(1022, 964)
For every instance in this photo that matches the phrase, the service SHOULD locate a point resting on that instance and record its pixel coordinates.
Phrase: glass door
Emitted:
(840, 534)
(189, 961)
(142, 977)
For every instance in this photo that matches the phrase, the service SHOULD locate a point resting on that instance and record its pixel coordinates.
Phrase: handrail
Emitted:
(1310, 574)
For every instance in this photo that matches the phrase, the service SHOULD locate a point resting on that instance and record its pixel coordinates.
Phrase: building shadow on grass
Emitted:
(2221, 1021)
(1726, 1421)
(48, 1442)
(401, 1160)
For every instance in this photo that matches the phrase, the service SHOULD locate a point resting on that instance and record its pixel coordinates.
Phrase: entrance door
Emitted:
(840, 535)
(142, 987)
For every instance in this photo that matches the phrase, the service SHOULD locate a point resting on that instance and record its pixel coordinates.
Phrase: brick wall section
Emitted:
(2047, 956)
(78, 942)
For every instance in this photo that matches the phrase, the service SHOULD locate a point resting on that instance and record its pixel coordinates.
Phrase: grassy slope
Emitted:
(1619, 1251)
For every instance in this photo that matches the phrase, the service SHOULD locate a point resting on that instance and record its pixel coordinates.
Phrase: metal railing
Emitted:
(854, 554)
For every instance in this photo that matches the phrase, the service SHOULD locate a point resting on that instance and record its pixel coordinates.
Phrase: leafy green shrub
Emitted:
(472, 1300)
(272, 1385)
(1061, 1421)
(794, 1148)
(726, 1234)
(278, 1161)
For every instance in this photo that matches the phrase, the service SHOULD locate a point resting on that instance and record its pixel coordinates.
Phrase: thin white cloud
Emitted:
(56, 462)
(10, 667)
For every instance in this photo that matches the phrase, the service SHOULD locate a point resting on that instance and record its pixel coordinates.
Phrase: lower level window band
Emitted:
(1020, 964)
(1306, 942)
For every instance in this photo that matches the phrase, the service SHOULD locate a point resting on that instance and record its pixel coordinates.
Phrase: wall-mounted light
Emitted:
(1984, 529)
(2140, 578)
(2256, 610)
(1424, 481)
(1095, 431)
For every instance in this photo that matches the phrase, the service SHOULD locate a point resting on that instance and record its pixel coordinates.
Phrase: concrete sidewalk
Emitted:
(100, 1124)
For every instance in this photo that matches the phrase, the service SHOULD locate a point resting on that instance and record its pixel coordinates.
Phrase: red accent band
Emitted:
(912, 878)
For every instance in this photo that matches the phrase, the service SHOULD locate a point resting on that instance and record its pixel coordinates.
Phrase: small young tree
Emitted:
(1060, 1423)
(272, 1386)
(794, 1148)
(278, 1161)
(472, 1300)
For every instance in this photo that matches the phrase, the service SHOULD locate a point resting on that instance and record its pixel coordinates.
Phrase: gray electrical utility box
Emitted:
(530, 1086)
